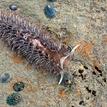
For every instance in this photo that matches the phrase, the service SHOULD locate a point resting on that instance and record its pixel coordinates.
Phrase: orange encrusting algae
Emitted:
(17, 59)
(104, 39)
(62, 93)
(78, 91)
(85, 48)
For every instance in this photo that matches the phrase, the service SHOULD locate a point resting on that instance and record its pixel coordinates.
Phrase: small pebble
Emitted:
(49, 11)
(51, 0)
(5, 78)
(19, 86)
(13, 7)
(14, 99)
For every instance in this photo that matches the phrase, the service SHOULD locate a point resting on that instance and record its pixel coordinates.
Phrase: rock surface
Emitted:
(77, 22)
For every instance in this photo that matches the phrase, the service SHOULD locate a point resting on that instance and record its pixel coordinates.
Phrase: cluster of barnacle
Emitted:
(15, 98)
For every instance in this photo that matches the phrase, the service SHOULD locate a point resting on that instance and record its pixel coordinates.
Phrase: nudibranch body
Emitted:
(37, 46)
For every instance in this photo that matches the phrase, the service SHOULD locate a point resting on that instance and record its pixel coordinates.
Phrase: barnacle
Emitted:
(19, 86)
(49, 11)
(5, 77)
(14, 99)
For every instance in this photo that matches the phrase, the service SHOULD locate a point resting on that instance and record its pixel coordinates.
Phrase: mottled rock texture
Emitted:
(76, 21)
